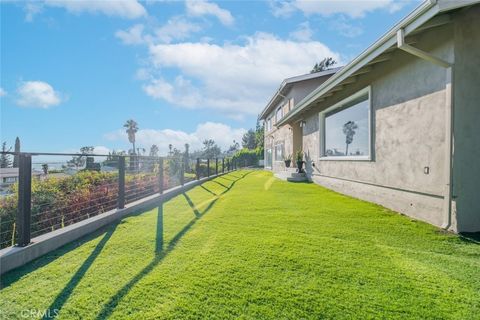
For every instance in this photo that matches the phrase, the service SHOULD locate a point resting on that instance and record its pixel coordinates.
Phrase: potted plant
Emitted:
(288, 160)
(299, 160)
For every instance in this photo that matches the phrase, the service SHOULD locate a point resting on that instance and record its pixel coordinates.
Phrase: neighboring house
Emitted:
(283, 141)
(9, 176)
(400, 124)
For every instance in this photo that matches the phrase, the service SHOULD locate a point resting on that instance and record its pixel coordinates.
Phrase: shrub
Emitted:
(248, 157)
(58, 202)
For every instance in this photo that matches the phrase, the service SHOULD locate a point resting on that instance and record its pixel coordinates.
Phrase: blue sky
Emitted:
(72, 72)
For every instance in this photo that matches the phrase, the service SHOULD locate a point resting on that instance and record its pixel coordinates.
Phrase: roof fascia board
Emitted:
(292, 80)
(446, 5)
(418, 17)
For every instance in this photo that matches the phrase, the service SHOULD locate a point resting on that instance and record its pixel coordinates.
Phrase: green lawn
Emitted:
(247, 245)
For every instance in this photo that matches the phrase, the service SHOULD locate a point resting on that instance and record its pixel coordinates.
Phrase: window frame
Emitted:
(282, 143)
(338, 105)
(280, 108)
(268, 165)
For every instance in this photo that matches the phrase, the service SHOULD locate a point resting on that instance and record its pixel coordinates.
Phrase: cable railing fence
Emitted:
(48, 191)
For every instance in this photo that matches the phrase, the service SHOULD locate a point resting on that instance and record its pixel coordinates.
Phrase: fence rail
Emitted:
(44, 199)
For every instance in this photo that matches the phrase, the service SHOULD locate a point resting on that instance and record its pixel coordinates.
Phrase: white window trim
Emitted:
(265, 157)
(275, 153)
(276, 113)
(321, 131)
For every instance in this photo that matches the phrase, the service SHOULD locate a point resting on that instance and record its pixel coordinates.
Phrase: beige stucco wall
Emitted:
(290, 134)
(466, 161)
(283, 134)
(408, 117)
(409, 130)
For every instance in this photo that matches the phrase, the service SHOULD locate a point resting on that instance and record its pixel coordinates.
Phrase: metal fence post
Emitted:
(182, 175)
(223, 165)
(216, 166)
(121, 182)
(24, 199)
(197, 169)
(208, 167)
(160, 175)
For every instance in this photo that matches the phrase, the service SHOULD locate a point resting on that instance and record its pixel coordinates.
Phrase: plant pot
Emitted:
(287, 163)
(300, 166)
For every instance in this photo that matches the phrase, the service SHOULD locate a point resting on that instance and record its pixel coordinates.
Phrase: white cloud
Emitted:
(3, 93)
(31, 9)
(203, 8)
(176, 28)
(134, 35)
(352, 8)
(221, 133)
(303, 33)
(181, 92)
(235, 79)
(129, 9)
(37, 94)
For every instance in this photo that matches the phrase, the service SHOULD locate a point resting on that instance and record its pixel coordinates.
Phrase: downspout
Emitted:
(447, 205)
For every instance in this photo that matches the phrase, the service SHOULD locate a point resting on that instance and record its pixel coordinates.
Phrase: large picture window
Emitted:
(346, 128)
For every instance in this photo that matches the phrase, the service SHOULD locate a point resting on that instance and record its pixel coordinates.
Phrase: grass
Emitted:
(247, 245)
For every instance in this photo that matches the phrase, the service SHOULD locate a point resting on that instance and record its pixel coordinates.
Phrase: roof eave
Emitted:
(293, 80)
(419, 16)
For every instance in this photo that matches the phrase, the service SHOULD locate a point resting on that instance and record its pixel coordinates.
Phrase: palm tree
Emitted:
(132, 128)
(349, 131)
(323, 65)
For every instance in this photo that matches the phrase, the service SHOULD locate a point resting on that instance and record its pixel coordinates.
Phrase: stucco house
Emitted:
(280, 140)
(399, 124)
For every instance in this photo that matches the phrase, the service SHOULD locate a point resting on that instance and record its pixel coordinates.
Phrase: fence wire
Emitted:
(66, 191)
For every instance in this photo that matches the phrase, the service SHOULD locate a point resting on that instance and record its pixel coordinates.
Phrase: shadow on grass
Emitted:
(219, 183)
(12, 276)
(63, 296)
(160, 252)
(225, 178)
(208, 190)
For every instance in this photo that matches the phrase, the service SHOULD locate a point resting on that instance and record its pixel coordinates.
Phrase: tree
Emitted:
(259, 135)
(170, 152)
(349, 131)
(186, 157)
(112, 158)
(45, 168)
(210, 149)
(17, 150)
(323, 65)
(233, 148)
(79, 161)
(249, 140)
(5, 161)
(141, 151)
(154, 150)
(132, 129)
(87, 150)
